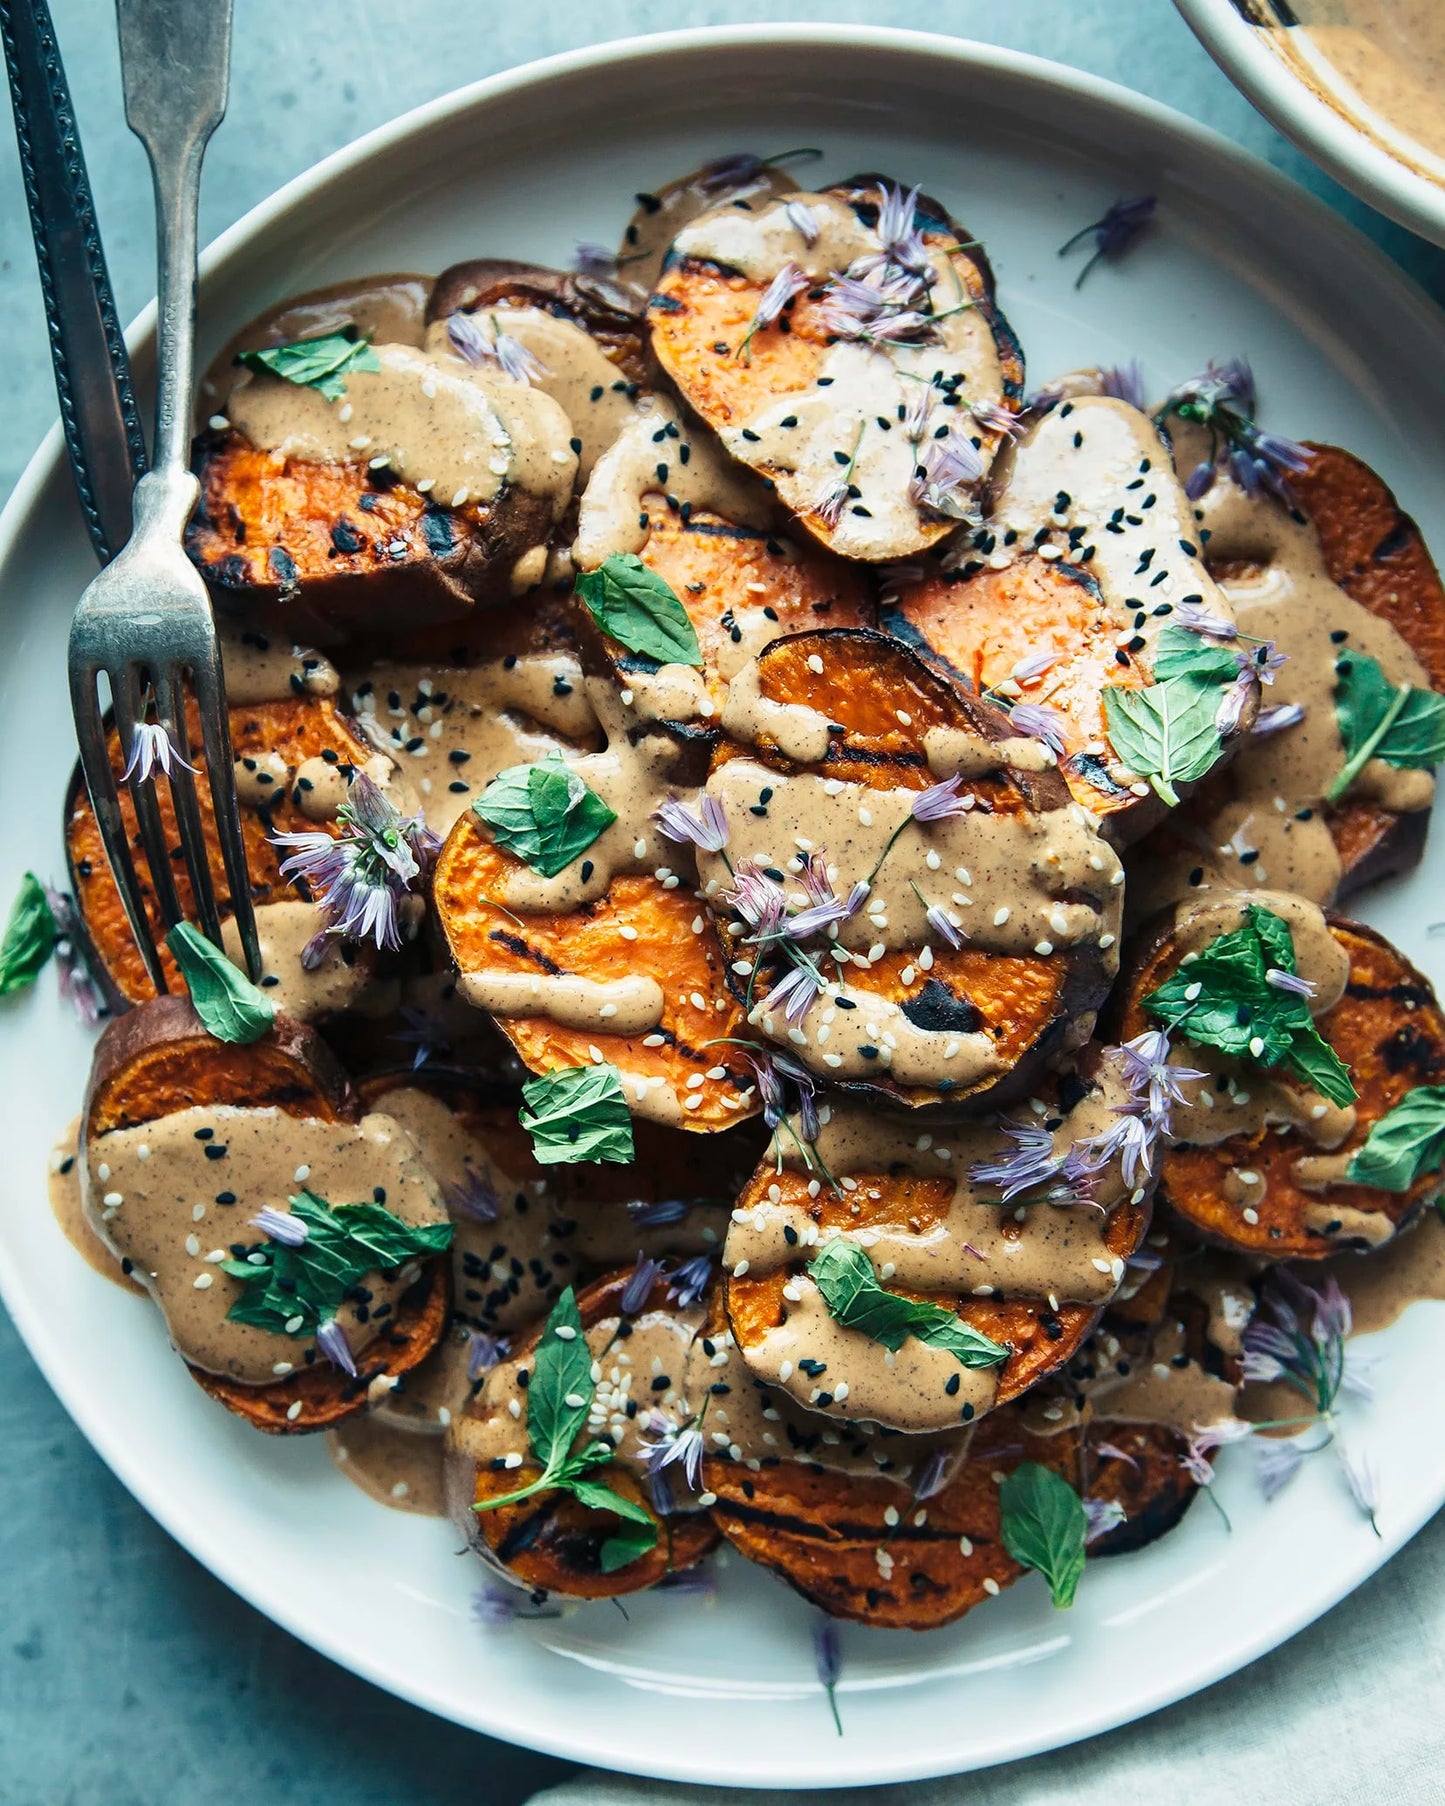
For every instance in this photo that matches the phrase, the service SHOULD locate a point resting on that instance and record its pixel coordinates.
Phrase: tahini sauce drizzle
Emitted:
(153, 1195)
(64, 1191)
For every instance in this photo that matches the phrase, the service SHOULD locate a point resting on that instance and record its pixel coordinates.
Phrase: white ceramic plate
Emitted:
(525, 165)
(1307, 99)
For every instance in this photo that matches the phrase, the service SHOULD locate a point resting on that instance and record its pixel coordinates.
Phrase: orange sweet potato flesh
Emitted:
(1024, 1002)
(300, 728)
(341, 548)
(821, 1530)
(979, 627)
(589, 942)
(717, 570)
(1039, 1339)
(1138, 1468)
(552, 1542)
(1387, 1028)
(157, 1059)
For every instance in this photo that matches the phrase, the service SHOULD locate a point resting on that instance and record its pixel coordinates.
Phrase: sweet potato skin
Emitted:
(299, 728)
(1389, 1030)
(1027, 1002)
(552, 1543)
(600, 309)
(588, 941)
(313, 543)
(821, 1530)
(157, 1059)
(1040, 1338)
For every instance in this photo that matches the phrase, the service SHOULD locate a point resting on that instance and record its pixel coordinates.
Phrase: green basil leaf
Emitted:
(1043, 1526)
(597, 1497)
(310, 1281)
(320, 363)
(851, 1290)
(578, 1113)
(1224, 999)
(30, 937)
(1400, 724)
(1180, 653)
(1406, 1142)
(561, 1371)
(1165, 732)
(638, 608)
(230, 1007)
(543, 813)
(629, 1545)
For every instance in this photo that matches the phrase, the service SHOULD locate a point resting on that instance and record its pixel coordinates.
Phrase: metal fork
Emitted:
(145, 622)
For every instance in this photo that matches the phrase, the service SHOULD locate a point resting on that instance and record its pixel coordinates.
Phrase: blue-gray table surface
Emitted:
(128, 1675)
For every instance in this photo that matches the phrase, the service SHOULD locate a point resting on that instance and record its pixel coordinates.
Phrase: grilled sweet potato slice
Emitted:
(807, 410)
(1137, 1467)
(157, 1060)
(867, 1549)
(607, 315)
(340, 549)
(551, 1541)
(881, 704)
(1388, 1029)
(742, 589)
(278, 738)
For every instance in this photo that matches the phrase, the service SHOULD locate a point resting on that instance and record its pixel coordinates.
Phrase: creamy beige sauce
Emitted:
(1270, 827)
(460, 434)
(657, 454)
(451, 729)
(1382, 62)
(375, 307)
(173, 1196)
(662, 215)
(64, 1191)
(345, 979)
(596, 397)
(1162, 1385)
(1009, 884)
(398, 1469)
(260, 666)
(976, 1248)
(800, 436)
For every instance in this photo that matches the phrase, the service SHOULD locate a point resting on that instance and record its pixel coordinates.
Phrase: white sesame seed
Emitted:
(293, 1410)
(512, 1460)
(193, 1244)
(203, 1281)
(990, 1585)
(302, 1174)
(113, 1199)
(564, 1332)
(628, 932)
(1000, 916)
(815, 664)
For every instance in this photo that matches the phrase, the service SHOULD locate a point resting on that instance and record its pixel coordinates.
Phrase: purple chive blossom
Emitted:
(1263, 463)
(1199, 481)
(995, 419)
(804, 222)
(472, 1196)
(939, 923)
(594, 260)
(1289, 981)
(900, 232)
(1205, 1439)
(659, 1214)
(359, 875)
(918, 412)
(794, 994)
(483, 1353)
(1115, 1453)
(1199, 620)
(640, 1281)
(691, 1280)
(1029, 670)
(1363, 1482)
(786, 286)
(1145, 1260)
(674, 1445)
(152, 748)
(827, 506)
(281, 1226)
(1114, 232)
(1100, 1517)
(496, 1603)
(1298, 1335)
(331, 1342)
(1032, 1162)
(1152, 1080)
(757, 898)
(708, 830)
(1124, 382)
(934, 1476)
(422, 1032)
(510, 356)
(1222, 399)
(940, 802)
(895, 577)
(944, 477)
(828, 1657)
(313, 954)
(1276, 720)
(1275, 1464)
(730, 171)
(1038, 722)
(76, 986)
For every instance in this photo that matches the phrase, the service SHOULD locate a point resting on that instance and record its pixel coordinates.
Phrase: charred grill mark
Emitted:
(867, 1535)
(1400, 538)
(1408, 995)
(514, 943)
(936, 1007)
(1409, 1050)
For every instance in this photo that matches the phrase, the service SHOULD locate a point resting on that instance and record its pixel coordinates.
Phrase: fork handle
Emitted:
(98, 411)
(175, 62)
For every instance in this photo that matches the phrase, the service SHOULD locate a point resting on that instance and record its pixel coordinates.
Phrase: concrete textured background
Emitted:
(129, 1676)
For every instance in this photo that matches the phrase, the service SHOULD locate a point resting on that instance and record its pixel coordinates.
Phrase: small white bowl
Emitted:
(1298, 91)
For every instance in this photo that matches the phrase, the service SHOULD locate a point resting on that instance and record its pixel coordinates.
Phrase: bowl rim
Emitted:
(1326, 135)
